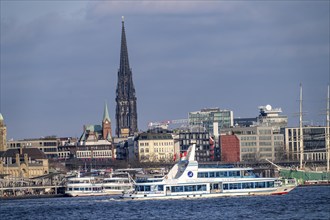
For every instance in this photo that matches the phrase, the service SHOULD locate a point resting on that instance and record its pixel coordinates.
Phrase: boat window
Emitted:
(234, 173)
(201, 187)
(260, 184)
(211, 174)
(225, 186)
(204, 175)
(146, 188)
(247, 185)
(160, 187)
(188, 188)
(235, 186)
(177, 189)
(270, 184)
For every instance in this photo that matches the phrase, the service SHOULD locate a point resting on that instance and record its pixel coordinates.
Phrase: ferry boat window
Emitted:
(235, 186)
(201, 187)
(177, 189)
(188, 188)
(160, 187)
(146, 188)
(260, 184)
(225, 186)
(247, 185)
(211, 174)
(270, 184)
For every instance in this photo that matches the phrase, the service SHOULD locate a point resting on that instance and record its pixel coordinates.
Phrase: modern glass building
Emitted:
(212, 119)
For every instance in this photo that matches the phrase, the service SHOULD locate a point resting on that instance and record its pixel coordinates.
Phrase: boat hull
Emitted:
(276, 191)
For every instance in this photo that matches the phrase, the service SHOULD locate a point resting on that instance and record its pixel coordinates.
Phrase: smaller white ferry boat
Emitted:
(187, 180)
(117, 184)
(98, 186)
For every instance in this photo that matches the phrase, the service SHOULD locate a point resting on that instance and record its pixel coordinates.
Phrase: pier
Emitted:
(50, 185)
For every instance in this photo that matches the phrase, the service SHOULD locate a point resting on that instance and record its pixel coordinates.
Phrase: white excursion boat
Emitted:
(97, 186)
(187, 180)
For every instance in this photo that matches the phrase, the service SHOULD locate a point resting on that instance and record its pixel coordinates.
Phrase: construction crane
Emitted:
(165, 124)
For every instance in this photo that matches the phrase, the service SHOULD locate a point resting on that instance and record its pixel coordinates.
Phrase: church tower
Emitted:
(126, 114)
(3, 134)
(106, 124)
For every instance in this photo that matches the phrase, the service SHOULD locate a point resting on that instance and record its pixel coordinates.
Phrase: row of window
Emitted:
(146, 144)
(249, 144)
(157, 150)
(249, 185)
(188, 188)
(95, 154)
(248, 138)
(85, 189)
(219, 174)
(157, 157)
(249, 150)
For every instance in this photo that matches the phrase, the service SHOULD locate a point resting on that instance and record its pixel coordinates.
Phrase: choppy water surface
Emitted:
(302, 203)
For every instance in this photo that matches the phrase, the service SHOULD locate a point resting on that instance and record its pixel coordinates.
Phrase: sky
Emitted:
(59, 60)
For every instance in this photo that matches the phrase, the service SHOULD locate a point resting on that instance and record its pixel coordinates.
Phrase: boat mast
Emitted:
(327, 130)
(301, 137)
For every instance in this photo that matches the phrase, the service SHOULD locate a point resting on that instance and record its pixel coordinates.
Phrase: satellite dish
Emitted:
(268, 107)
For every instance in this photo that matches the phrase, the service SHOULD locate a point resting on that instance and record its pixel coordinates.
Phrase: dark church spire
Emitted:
(124, 63)
(126, 114)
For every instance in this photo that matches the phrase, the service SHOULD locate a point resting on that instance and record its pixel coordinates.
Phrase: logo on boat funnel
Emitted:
(190, 174)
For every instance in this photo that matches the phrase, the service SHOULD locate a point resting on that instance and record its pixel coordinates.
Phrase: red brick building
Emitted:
(230, 148)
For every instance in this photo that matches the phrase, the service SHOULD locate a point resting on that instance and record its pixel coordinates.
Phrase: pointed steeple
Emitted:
(124, 63)
(126, 113)
(106, 113)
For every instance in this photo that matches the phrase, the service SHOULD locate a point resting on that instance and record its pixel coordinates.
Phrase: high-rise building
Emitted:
(3, 134)
(126, 113)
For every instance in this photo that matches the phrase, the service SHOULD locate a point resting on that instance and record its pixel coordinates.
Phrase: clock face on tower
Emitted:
(106, 122)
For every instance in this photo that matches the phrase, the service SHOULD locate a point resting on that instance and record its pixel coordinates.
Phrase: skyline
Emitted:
(59, 60)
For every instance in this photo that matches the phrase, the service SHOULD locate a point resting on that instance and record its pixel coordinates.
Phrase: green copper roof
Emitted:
(106, 113)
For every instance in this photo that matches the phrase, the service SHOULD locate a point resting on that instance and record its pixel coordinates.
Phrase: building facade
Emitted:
(96, 140)
(156, 147)
(204, 151)
(258, 143)
(212, 119)
(126, 109)
(23, 163)
(314, 142)
(271, 117)
(230, 148)
(48, 145)
(3, 134)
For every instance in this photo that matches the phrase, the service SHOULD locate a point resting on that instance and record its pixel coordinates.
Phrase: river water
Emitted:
(301, 203)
